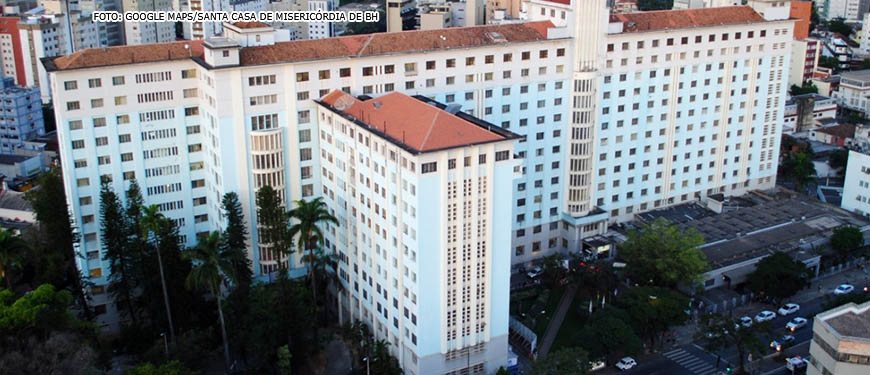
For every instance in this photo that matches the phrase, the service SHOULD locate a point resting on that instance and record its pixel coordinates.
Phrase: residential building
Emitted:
(11, 55)
(559, 12)
(625, 6)
(839, 49)
(511, 8)
(865, 36)
(856, 188)
(21, 116)
(300, 29)
(804, 60)
(696, 4)
(399, 13)
(204, 30)
(148, 32)
(46, 34)
(841, 341)
(837, 135)
(854, 91)
(801, 11)
(805, 112)
(415, 184)
(850, 10)
(320, 30)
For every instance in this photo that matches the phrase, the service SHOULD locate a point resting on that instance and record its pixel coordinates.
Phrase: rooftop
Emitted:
(12, 159)
(859, 75)
(842, 130)
(120, 55)
(13, 200)
(686, 18)
(678, 214)
(316, 49)
(414, 122)
(849, 320)
(250, 25)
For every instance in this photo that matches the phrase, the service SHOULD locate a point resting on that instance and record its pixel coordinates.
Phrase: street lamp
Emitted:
(366, 360)
(165, 344)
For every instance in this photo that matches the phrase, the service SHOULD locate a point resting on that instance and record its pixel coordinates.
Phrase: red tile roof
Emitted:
(686, 18)
(397, 42)
(843, 131)
(411, 122)
(307, 50)
(563, 2)
(96, 57)
(250, 25)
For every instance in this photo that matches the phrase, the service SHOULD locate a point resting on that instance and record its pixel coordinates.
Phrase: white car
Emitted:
(535, 272)
(796, 324)
(626, 363)
(796, 363)
(765, 316)
(844, 289)
(789, 308)
(598, 365)
(746, 321)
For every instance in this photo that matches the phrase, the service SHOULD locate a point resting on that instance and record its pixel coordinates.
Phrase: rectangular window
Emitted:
(70, 85)
(95, 82)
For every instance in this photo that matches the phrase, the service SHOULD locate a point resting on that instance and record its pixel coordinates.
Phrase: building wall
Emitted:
(512, 7)
(21, 117)
(803, 61)
(320, 30)
(801, 10)
(834, 353)
(856, 189)
(148, 32)
(10, 50)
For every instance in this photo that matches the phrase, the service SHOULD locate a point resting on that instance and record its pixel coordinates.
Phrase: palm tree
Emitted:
(309, 215)
(214, 267)
(799, 168)
(11, 247)
(153, 223)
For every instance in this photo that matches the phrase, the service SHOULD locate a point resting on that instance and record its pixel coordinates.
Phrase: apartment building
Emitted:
(320, 30)
(11, 56)
(804, 59)
(841, 341)
(850, 10)
(148, 32)
(20, 116)
(205, 30)
(416, 187)
(854, 90)
(856, 188)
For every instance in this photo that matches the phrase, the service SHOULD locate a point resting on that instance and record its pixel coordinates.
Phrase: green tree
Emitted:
(646, 5)
(12, 249)
(273, 223)
(846, 240)
(563, 361)
(309, 216)
(832, 301)
(605, 336)
(61, 353)
(778, 276)
(652, 310)
(38, 313)
(115, 241)
(553, 272)
(839, 25)
(502, 371)
(837, 160)
(169, 368)
(719, 332)
(152, 225)
(660, 253)
(284, 358)
(214, 267)
(236, 238)
(798, 168)
(57, 263)
(806, 88)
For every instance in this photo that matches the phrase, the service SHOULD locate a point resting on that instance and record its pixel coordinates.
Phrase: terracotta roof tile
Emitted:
(410, 121)
(685, 18)
(563, 2)
(250, 25)
(398, 42)
(842, 131)
(96, 57)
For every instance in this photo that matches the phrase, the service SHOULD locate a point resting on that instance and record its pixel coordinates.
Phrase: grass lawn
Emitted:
(543, 320)
(572, 324)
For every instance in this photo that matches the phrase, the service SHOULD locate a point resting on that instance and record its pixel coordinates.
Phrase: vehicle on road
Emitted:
(765, 316)
(626, 363)
(844, 289)
(746, 321)
(789, 308)
(777, 344)
(597, 365)
(796, 324)
(796, 364)
(535, 272)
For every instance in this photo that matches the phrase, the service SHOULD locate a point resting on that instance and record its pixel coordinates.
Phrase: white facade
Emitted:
(695, 4)
(850, 10)
(320, 30)
(840, 343)
(423, 261)
(856, 189)
(205, 30)
(854, 91)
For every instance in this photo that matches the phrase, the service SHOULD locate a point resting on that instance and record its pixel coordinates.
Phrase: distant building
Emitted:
(804, 112)
(204, 30)
(556, 11)
(148, 32)
(838, 135)
(804, 60)
(11, 54)
(695, 4)
(854, 91)
(841, 341)
(510, 8)
(20, 166)
(847, 9)
(625, 6)
(856, 188)
(839, 49)
(21, 116)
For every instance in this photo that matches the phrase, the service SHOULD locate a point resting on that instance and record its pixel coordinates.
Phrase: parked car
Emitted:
(535, 272)
(844, 289)
(746, 321)
(796, 363)
(626, 363)
(777, 344)
(796, 324)
(765, 316)
(597, 365)
(789, 308)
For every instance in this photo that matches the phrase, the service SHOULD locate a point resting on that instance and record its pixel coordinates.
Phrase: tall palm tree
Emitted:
(153, 223)
(214, 266)
(309, 215)
(11, 248)
(799, 168)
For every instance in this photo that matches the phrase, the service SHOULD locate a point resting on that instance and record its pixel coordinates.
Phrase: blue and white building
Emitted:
(21, 116)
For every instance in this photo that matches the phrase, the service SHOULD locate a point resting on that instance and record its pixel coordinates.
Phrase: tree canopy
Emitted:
(839, 25)
(645, 5)
(778, 276)
(660, 253)
(563, 361)
(606, 336)
(799, 169)
(719, 332)
(806, 88)
(653, 310)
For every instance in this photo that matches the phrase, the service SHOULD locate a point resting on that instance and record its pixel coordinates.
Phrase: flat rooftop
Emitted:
(686, 18)
(415, 123)
(860, 75)
(849, 320)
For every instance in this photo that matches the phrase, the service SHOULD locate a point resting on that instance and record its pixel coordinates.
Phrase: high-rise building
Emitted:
(205, 30)
(21, 117)
(320, 30)
(841, 341)
(415, 183)
(148, 32)
(11, 54)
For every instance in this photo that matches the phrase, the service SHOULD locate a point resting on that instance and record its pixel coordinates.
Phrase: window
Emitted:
(302, 77)
(96, 103)
(70, 85)
(117, 81)
(344, 72)
(95, 82)
(429, 167)
(72, 106)
(120, 100)
(188, 73)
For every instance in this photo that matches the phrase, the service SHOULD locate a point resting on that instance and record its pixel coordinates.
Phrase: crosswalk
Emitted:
(689, 361)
